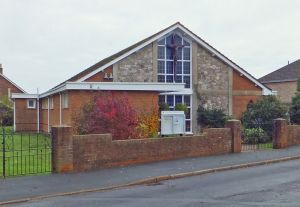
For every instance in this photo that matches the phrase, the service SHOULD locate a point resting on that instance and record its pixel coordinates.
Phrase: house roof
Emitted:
(103, 64)
(290, 72)
(6, 78)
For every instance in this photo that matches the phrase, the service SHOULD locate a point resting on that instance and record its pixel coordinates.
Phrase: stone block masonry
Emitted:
(86, 152)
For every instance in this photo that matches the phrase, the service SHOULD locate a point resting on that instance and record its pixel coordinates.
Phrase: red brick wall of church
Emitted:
(244, 90)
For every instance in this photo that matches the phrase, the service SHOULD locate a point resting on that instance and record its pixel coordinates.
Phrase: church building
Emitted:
(172, 66)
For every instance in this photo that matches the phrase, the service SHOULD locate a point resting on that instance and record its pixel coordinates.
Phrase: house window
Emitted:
(31, 103)
(172, 100)
(51, 103)
(166, 60)
(65, 100)
(45, 103)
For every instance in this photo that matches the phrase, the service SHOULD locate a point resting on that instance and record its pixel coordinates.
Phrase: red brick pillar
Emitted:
(62, 149)
(235, 126)
(280, 130)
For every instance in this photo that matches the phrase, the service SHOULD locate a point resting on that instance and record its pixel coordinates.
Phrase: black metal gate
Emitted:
(257, 137)
(24, 153)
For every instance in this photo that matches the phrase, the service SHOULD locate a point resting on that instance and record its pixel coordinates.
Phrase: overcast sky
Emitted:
(43, 43)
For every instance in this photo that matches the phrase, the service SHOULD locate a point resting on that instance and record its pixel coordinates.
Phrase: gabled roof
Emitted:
(290, 72)
(6, 78)
(103, 64)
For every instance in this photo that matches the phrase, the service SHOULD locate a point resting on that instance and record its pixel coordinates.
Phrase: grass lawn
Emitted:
(25, 153)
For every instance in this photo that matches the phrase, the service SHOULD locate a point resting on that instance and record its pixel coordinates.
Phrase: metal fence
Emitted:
(24, 153)
(257, 136)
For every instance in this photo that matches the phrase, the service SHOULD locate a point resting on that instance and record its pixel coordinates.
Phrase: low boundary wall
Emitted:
(86, 152)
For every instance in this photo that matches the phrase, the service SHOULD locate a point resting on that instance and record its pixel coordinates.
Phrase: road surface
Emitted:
(268, 185)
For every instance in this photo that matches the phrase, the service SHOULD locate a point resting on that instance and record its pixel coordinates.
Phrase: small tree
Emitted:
(211, 118)
(294, 111)
(6, 112)
(262, 113)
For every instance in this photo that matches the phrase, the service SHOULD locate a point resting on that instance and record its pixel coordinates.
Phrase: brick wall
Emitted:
(5, 85)
(285, 90)
(243, 90)
(285, 135)
(293, 134)
(99, 151)
(26, 119)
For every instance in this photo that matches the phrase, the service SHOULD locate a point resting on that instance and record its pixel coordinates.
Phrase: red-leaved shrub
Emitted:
(109, 114)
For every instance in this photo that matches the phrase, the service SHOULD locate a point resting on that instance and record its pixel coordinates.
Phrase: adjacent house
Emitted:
(172, 66)
(284, 81)
(7, 87)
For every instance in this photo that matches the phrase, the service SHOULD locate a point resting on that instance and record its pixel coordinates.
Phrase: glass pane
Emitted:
(179, 67)
(186, 80)
(186, 53)
(161, 99)
(169, 53)
(169, 67)
(178, 99)
(161, 67)
(178, 79)
(188, 114)
(186, 67)
(170, 100)
(169, 79)
(179, 54)
(161, 42)
(187, 100)
(177, 39)
(161, 53)
(187, 126)
(186, 43)
(169, 40)
(161, 78)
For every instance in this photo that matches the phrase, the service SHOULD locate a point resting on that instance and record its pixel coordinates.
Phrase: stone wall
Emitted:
(137, 67)
(86, 152)
(213, 78)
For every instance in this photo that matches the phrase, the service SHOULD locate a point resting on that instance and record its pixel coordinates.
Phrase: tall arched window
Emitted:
(174, 65)
(174, 60)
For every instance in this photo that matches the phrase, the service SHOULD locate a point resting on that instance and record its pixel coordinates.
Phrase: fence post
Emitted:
(280, 133)
(62, 149)
(235, 126)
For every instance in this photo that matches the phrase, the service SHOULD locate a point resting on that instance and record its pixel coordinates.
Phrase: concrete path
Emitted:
(32, 186)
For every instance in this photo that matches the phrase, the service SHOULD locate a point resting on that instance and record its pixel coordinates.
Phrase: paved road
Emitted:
(28, 186)
(268, 185)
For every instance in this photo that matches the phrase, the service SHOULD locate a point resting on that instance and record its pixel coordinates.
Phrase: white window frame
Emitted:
(190, 107)
(65, 100)
(34, 103)
(165, 74)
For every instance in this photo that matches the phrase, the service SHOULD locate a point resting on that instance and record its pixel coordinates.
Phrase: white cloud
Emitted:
(42, 43)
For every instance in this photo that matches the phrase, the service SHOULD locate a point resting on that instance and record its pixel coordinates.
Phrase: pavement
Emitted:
(267, 185)
(33, 186)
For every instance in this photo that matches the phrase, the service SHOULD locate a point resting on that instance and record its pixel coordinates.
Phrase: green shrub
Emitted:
(294, 111)
(255, 136)
(262, 113)
(181, 107)
(211, 118)
(164, 107)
